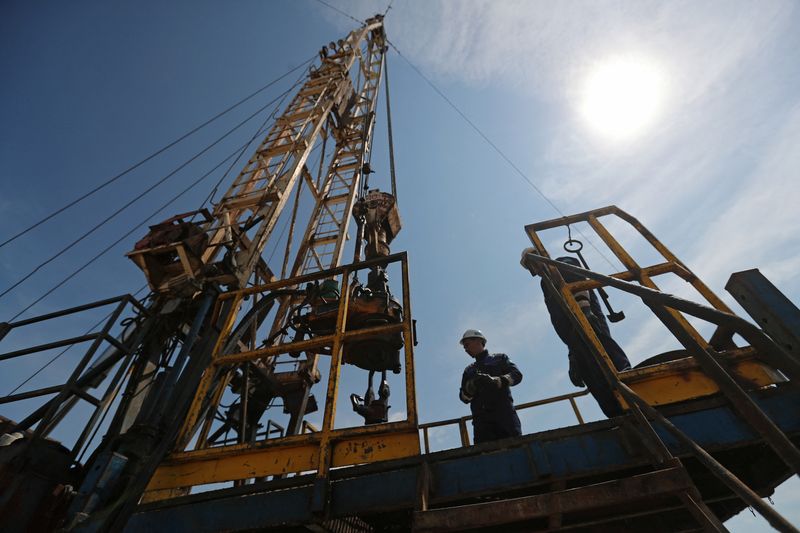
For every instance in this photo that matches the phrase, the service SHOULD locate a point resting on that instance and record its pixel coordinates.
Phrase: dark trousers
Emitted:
(589, 370)
(496, 425)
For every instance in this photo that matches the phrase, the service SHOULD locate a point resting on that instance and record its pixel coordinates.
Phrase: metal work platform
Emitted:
(650, 468)
(704, 431)
(591, 477)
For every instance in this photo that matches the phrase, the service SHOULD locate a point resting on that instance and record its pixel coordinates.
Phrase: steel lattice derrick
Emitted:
(323, 241)
(348, 120)
(322, 244)
(260, 192)
(241, 224)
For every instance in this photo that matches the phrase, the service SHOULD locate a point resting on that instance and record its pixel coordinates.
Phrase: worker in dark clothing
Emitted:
(584, 369)
(485, 386)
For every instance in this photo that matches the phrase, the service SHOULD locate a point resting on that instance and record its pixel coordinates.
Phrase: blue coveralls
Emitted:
(493, 414)
(583, 365)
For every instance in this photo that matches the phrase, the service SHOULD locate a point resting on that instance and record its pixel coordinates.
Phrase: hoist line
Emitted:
(152, 156)
(351, 17)
(140, 196)
(68, 348)
(280, 237)
(477, 130)
(389, 123)
(288, 248)
(109, 247)
(494, 147)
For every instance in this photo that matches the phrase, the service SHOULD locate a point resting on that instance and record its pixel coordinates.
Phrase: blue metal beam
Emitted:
(489, 468)
(769, 307)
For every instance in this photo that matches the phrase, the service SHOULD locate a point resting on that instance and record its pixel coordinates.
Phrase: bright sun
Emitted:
(622, 97)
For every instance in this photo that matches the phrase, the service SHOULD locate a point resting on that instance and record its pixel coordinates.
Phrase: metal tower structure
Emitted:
(189, 378)
(194, 346)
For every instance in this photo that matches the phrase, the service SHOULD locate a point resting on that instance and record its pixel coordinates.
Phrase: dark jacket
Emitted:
(584, 368)
(493, 414)
(489, 399)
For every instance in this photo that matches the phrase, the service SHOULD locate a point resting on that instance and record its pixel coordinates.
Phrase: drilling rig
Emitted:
(206, 273)
(205, 387)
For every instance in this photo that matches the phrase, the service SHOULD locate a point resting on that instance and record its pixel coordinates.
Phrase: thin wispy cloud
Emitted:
(725, 108)
(760, 220)
(544, 47)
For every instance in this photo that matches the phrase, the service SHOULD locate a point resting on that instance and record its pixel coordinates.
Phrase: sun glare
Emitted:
(622, 97)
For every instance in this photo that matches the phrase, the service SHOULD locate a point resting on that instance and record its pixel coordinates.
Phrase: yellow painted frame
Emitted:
(315, 452)
(669, 382)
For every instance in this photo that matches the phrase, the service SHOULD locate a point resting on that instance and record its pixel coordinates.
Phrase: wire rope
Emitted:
(68, 348)
(351, 17)
(138, 197)
(109, 247)
(389, 124)
(502, 154)
(151, 156)
(260, 131)
(210, 197)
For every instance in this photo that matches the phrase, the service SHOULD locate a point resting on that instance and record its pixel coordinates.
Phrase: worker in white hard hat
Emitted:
(486, 387)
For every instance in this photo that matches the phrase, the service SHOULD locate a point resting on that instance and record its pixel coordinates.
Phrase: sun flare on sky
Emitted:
(622, 97)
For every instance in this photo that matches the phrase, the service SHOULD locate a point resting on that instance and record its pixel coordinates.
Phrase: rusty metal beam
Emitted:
(516, 510)
(742, 402)
(752, 334)
(301, 453)
(572, 219)
(308, 344)
(655, 270)
(723, 474)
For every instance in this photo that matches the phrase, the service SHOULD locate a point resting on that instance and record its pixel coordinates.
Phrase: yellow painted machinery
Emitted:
(209, 381)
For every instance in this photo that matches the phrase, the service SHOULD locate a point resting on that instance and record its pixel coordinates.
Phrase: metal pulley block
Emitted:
(381, 219)
(170, 255)
(368, 307)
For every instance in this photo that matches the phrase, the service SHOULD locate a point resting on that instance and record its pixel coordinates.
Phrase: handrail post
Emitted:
(575, 408)
(462, 426)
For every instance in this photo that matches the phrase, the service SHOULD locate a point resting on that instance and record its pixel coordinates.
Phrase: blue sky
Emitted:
(90, 88)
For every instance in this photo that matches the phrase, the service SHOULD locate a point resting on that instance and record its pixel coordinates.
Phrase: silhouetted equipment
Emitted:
(201, 367)
(377, 212)
(374, 410)
(170, 255)
(182, 388)
(370, 306)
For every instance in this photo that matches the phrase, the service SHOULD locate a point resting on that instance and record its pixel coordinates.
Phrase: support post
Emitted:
(769, 307)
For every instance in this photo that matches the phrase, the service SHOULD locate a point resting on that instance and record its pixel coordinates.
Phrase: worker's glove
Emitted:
(471, 387)
(526, 263)
(574, 376)
(485, 380)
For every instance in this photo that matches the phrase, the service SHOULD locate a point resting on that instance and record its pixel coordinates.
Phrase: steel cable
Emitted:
(502, 154)
(126, 235)
(351, 17)
(68, 348)
(151, 156)
(141, 195)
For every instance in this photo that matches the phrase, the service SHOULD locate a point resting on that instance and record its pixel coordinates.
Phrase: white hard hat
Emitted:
(472, 334)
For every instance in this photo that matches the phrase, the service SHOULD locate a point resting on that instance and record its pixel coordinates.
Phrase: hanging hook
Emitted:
(573, 246)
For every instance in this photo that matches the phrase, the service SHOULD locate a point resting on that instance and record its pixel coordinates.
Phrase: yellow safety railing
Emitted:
(462, 421)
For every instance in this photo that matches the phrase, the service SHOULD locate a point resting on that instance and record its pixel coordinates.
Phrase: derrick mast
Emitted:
(182, 348)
